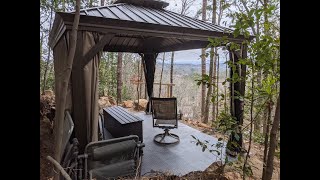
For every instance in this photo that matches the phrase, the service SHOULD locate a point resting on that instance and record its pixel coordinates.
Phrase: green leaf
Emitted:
(236, 136)
(204, 148)
(236, 33)
(234, 144)
(239, 158)
(213, 99)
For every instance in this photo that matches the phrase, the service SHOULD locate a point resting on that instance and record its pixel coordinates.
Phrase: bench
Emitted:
(119, 122)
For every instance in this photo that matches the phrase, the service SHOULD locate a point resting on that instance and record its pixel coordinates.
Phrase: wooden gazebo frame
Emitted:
(137, 27)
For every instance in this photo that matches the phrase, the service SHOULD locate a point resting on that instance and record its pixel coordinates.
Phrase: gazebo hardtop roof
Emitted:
(142, 28)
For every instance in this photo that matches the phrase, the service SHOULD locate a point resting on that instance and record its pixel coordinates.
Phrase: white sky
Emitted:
(189, 56)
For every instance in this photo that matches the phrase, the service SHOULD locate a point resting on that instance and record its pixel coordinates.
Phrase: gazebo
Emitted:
(136, 26)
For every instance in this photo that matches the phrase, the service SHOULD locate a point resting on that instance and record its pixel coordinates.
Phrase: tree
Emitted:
(164, 54)
(185, 6)
(203, 65)
(41, 52)
(217, 91)
(171, 71)
(49, 53)
(211, 74)
(273, 143)
(60, 112)
(119, 77)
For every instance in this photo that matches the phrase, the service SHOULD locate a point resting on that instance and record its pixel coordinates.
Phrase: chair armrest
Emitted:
(140, 145)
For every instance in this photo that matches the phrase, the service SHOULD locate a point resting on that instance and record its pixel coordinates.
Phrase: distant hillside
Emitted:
(191, 69)
(186, 89)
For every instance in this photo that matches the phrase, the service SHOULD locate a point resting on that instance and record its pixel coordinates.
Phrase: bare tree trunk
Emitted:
(257, 122)
(251, 122)
(217, 106)
(206, 112)
(138, 85)
(108, 73)
(145, 90)
(171, 72)
(50, 72)
(60, 112)
(112, 75)
(48, 56)
(266, 138)
(266, 31)
(141, 74)
(225, 87)
(164, 54)
(214, 84)
(41, 43)
(220, 11)
(119, 78)
(273, 142)
(203, 64)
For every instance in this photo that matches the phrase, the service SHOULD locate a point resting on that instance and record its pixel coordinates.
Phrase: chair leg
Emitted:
(166, 138)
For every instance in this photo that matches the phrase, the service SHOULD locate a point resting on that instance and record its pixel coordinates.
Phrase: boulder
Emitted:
(112, 101)
(233, 176)
(48, 93)
(104, 102)
(142, 104)
(127, 104)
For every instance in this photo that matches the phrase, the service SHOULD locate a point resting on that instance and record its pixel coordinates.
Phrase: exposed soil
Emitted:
(46, 148)
(256, 152)
(46, 133)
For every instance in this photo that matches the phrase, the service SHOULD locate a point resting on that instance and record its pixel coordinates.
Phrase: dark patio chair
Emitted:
(165, 116)
(113, 158)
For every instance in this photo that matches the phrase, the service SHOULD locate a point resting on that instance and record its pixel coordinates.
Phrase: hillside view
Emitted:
(108, 66)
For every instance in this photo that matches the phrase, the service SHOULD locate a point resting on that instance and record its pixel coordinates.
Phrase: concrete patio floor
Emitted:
(178, 159)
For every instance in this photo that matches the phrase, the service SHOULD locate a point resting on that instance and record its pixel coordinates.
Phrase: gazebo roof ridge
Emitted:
(156, 4)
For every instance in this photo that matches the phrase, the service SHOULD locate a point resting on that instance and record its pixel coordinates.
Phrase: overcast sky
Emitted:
(189, 56)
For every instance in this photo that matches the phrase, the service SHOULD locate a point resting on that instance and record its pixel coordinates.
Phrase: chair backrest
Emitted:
(164, 108)
(113, 157)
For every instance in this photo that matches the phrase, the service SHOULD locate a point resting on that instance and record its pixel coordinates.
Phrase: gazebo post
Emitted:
(149, 64)
(237, 104)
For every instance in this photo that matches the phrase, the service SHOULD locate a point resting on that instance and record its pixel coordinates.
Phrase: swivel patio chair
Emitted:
(164, 115)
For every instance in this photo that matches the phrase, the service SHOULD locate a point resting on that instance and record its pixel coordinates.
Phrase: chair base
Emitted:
(166, 138)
